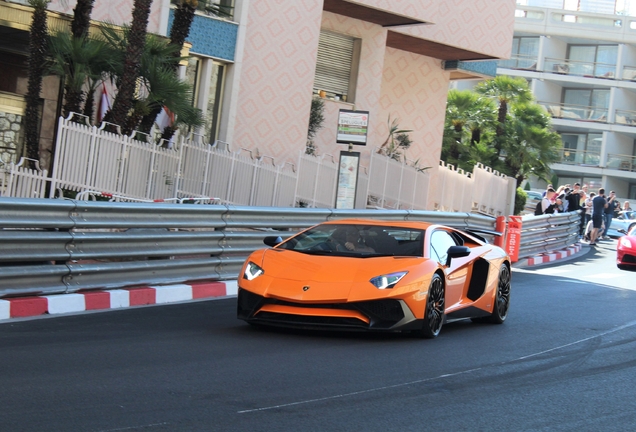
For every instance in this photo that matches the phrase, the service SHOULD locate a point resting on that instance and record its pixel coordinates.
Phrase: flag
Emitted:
(104, 104)
(165, 118)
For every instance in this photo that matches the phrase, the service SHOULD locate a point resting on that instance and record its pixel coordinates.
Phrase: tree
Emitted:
(530, 146)
(505, 90)
(124, 100)
(80, 62)
(81, 18)
(519, 145)
(467, 129)
(396, 141)
(38, 37)
(316, 119)
(158, 84)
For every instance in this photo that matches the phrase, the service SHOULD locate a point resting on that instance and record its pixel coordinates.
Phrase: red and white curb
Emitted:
(551, 256)
(21, 307)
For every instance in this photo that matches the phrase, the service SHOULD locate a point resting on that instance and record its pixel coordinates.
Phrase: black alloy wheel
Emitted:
(502, 297)
(434, 314)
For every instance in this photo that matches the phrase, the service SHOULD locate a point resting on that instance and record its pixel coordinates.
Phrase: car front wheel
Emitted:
(434, 314)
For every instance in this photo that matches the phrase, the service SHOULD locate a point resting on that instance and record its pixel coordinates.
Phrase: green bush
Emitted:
(520, 200)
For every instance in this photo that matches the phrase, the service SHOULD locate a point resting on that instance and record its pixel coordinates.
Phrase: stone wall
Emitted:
(10, 137)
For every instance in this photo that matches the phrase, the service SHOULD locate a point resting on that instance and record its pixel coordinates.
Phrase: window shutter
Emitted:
(333, 67)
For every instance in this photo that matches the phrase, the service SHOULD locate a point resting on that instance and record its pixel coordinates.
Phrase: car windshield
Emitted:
(357, 240)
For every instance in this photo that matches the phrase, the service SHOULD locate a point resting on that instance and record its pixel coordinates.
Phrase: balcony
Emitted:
(593, 158)
(621, 162)
(629, 73)
(579, 157)
(625, 117)
(519, 61)
(576, 112)
(579, 68)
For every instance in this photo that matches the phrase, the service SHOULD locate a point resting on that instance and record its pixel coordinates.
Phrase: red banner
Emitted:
(514, 237)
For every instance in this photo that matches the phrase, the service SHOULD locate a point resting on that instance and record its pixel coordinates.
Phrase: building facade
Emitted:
(255, 73)
(581, 66)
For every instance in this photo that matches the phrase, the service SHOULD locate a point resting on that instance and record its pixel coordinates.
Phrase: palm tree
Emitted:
(80, 62)
(506, 90)
(161, 85)
(79, 29)
(124, 100)
(37, 51)
(81, 18)
(467, 137)
(530, 146)
(397, 140)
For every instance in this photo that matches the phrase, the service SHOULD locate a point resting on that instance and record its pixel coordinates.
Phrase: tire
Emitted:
(434, 313)
(502, 297)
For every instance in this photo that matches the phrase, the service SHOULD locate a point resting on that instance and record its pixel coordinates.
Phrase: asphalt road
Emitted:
(564, 360)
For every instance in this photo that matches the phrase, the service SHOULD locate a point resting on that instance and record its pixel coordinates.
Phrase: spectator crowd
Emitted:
(598, 209)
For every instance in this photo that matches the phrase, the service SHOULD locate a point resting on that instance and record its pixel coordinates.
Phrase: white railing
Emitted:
(90, 159)
(484, 191)
(396, 185)
(17, 180)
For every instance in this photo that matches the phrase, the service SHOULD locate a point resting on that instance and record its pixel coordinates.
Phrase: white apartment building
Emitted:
(579, 57)
(581, 66)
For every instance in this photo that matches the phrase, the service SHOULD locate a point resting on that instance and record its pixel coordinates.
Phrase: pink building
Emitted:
(399, 52)
(255, 73)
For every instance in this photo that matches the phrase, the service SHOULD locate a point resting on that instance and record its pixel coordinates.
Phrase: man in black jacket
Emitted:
(574, 204)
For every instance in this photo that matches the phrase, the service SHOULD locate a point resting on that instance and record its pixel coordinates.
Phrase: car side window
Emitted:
(440, 242)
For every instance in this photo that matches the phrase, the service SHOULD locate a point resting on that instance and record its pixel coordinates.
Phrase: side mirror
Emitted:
(456, 252)
(273, 240)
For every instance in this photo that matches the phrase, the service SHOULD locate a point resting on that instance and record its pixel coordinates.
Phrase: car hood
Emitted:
(300, 277)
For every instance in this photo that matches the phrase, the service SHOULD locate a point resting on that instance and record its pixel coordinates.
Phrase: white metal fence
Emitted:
(88, 158)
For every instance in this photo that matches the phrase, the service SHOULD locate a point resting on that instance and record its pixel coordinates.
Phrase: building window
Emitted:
(337, 66)
(593, 60)
(207, 78)
(213, 107)
(586, 104)
(582, 149)
(192, 77)
(226, 7)
(525, 51)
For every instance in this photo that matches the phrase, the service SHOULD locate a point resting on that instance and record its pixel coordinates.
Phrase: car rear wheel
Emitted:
(434, 314)
(502, 297)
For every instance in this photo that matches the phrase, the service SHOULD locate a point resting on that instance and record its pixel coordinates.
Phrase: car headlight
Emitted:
(625, 242)
(252, 271)
(388, 280)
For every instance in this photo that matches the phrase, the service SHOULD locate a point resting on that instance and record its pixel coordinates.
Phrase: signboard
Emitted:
(347, 180)
(514, 238)
(352, 127)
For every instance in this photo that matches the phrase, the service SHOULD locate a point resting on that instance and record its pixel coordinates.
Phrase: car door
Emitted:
(456, 273)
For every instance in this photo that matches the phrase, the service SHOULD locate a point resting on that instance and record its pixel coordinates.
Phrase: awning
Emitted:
(365, 13)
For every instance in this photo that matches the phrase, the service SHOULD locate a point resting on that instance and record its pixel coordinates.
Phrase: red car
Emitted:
(626, 251)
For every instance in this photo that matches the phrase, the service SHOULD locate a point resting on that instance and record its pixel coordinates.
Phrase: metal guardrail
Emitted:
(547, 233)
(54, 246)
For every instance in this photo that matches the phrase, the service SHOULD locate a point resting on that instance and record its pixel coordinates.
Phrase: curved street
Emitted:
(564, 360)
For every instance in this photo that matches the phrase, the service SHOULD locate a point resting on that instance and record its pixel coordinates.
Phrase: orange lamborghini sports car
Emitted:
(375, 275)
